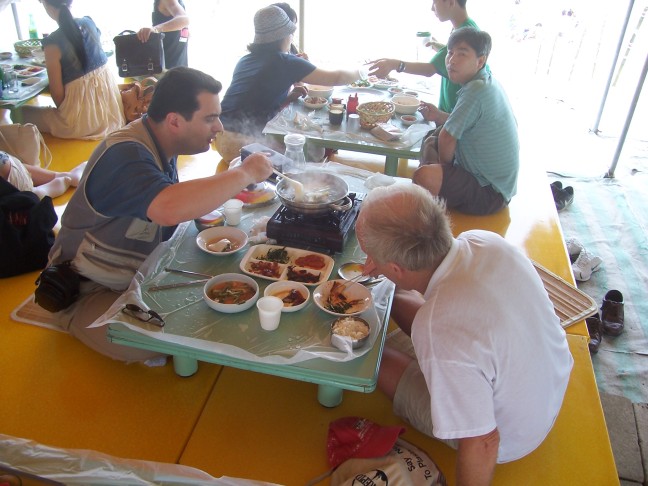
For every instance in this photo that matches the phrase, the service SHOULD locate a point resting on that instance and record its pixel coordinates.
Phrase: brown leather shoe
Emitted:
(612, 313)
(595, 330)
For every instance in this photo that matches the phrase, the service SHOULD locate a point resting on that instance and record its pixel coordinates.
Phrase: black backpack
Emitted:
(26, 230)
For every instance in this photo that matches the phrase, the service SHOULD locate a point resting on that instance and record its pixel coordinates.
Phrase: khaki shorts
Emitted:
(412, 402)
(463, 192)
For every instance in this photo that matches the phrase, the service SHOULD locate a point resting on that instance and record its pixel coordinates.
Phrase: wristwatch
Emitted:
(401, 67)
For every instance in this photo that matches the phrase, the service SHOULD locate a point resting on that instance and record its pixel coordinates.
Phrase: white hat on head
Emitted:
(271, 24)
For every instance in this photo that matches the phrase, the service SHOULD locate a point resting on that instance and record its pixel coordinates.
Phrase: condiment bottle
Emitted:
(352, 104)
(33, 32)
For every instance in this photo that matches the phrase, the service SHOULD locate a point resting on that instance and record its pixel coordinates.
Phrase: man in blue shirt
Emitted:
(473, 163)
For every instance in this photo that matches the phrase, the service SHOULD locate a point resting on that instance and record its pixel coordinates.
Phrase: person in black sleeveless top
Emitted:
(170, 17)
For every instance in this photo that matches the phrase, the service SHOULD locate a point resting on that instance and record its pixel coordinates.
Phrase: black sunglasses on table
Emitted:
(140, 314)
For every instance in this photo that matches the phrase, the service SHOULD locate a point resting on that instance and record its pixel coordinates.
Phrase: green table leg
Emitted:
(17, 115)
(391, 165)
(185, 366)
(329, 396)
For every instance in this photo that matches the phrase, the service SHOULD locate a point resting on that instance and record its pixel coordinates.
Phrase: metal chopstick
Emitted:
(177, 270)
(175, 285)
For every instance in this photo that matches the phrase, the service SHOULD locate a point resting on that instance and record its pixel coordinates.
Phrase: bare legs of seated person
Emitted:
(430, 172)
(42, 182)
(53, 184)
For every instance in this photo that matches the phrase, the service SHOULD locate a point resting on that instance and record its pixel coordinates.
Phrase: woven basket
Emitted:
(26, 48)
(374, 112)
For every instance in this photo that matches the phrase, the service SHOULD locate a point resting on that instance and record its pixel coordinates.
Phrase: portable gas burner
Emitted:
(325, 233)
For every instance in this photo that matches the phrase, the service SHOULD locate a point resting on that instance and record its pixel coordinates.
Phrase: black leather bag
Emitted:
(26, 230)
(135, 58)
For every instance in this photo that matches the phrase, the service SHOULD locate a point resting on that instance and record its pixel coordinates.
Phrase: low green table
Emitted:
(14, 101)
(192, 329)
(337, 137)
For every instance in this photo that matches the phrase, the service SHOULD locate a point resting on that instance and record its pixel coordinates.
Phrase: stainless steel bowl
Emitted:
(345, 330)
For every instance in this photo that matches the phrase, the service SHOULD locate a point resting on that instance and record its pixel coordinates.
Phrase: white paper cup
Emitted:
(232, 209)
(269, 312)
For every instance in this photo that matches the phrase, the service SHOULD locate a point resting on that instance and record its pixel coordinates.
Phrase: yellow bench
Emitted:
(232, 422)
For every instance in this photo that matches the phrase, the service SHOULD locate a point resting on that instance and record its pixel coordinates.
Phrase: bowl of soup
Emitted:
(320, 91)
(221, 240)
(231, 292)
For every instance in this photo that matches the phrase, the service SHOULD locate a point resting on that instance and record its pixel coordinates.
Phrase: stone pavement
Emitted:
(627, 424)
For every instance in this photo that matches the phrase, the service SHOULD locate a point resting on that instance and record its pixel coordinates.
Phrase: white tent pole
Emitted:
(302, 7)
(626, 126)
(14, 9)
(595, 128)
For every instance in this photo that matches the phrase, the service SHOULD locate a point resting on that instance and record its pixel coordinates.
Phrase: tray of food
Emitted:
(276, 262)
(361, 83)
(29, 71)
(383, 83)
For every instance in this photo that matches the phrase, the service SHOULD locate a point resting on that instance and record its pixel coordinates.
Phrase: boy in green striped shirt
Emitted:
(454, 11)
(473, 163)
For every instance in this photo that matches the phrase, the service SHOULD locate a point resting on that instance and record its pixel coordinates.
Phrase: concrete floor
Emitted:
(628, 428)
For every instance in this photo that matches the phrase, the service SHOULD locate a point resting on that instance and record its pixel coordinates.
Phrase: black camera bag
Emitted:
(58, 287)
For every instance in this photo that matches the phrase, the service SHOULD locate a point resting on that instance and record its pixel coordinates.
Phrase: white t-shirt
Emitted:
(490, 346)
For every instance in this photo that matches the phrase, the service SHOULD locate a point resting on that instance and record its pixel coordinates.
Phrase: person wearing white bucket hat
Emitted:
(264, 80)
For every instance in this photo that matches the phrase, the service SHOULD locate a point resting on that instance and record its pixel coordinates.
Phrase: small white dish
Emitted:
(408, 119)
(235, 283)
(384, 83)
(283, 291)
(213, 240)
(30, 81)
(352, 271)
(315, 103)
(355, 294)
(379, 180)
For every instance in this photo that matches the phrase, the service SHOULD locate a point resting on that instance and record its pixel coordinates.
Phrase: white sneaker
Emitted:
(574, 248)
(585, 265)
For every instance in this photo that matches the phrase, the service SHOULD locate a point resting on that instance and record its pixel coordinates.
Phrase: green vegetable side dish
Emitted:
(277, 255)
(340, 307)
(361, 83)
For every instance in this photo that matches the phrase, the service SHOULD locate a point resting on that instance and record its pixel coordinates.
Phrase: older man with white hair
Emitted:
(491, 361)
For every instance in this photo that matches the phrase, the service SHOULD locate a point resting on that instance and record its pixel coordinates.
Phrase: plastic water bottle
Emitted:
(295, 152)
(422, 38)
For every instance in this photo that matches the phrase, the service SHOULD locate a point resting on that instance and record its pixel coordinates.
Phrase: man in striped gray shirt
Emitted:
(473, 162)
